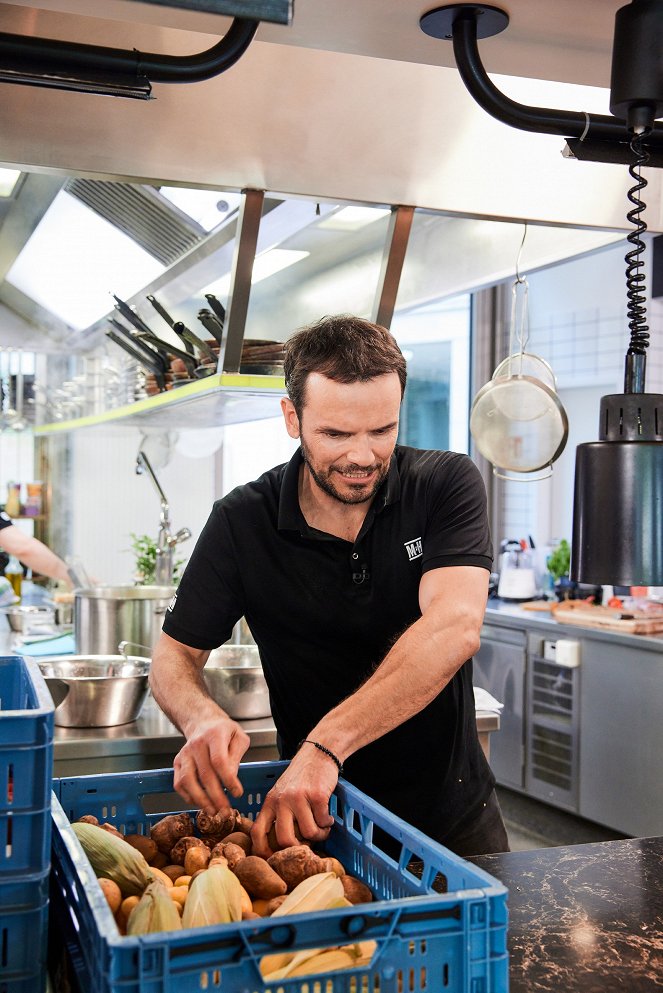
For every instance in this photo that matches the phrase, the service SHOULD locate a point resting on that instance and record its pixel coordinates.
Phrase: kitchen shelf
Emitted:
(225, 398)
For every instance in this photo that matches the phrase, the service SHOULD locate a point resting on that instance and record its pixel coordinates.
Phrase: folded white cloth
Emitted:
(485, 702)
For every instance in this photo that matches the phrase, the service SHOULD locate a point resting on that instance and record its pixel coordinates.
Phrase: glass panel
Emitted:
(334, 253)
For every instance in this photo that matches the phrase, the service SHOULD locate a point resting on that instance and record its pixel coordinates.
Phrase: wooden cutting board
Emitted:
(610, 619)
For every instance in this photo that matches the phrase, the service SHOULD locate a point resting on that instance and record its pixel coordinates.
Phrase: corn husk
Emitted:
(215, 897)
(320, 892)
(155, 911)
(113, 858)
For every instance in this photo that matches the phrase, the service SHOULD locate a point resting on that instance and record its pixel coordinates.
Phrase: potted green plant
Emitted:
(558, 564)
(145, 552)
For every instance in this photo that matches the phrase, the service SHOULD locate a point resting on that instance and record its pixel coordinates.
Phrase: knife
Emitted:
(130, 315)
(161, 311)
(211, 323)
(166, 349)
(187, 335)
(217, 307)
(168, 319)
(142, 346)
(141, 359)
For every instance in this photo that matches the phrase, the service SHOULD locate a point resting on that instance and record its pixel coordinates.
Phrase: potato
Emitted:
(260, 907)
(174, 871)
(112, 893)
(128, 904)
(333, 865)
(111, 830)
(259, 878)
(231, 853)
(179, 894)
(179, 850)
(161, 876)
(168, 831)
(146, 846)
(355, 890)
(183, 881)
(250, 915)
(272, 904)
(216, 826)
(122, 915)
(88, 819)
(197, 857)
(244, 824)
(295, 864)
(217, 860)
(238, 838)
(247, 906)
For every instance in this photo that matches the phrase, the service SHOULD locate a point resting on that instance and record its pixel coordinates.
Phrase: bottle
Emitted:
(13, 504)
(14, 573)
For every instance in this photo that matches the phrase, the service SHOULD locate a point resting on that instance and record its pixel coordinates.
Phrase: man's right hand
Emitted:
(209, 762)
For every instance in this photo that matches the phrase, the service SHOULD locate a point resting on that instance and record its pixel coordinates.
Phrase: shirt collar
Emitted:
(290, 517)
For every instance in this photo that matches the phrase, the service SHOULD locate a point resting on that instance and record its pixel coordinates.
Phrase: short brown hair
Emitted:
(344, 348)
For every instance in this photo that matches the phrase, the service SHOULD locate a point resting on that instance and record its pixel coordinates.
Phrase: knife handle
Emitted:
(161, 311)
(217, 307)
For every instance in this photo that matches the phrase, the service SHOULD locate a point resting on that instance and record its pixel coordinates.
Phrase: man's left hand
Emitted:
(300, 796)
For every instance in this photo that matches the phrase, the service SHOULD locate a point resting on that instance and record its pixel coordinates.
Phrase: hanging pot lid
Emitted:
(519, 423)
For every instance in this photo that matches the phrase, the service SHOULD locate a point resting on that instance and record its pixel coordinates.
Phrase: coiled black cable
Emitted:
(635, 278)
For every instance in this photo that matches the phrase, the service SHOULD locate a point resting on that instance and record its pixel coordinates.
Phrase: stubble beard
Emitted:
(325, 480)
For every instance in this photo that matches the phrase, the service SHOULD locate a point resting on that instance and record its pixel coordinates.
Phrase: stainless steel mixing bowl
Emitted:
(235, 680)
(19, 614)
(96, 690)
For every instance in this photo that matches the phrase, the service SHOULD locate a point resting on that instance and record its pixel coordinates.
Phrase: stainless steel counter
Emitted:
(152, 742)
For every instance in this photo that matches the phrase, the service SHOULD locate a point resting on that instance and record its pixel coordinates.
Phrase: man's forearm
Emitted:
(179, 688)
(418, 667)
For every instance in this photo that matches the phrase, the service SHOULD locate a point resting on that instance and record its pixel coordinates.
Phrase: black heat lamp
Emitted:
(618, 498)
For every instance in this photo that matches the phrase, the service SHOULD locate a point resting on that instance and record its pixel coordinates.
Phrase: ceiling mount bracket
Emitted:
(464, 24)
(439, 22)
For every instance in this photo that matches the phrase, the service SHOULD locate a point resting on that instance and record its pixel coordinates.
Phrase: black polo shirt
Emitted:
(324, 612)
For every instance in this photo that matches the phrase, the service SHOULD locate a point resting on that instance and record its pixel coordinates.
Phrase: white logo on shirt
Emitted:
(171, 605)
(414, 549)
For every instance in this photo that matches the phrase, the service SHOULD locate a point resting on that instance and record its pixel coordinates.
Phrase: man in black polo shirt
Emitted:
(362, 570)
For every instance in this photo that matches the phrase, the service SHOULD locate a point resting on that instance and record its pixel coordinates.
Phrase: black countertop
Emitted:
(584, 918)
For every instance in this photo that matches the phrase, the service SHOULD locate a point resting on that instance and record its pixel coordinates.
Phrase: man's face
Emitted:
(347, 432)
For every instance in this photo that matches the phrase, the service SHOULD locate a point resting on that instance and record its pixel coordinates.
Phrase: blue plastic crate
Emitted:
(23, 933)
(453, 941)
(26, 768)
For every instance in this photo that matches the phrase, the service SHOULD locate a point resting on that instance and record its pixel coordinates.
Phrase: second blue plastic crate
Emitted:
(26, 768)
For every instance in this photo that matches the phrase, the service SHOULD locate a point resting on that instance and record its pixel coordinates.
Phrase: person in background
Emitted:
(361, 567)
(31, 552)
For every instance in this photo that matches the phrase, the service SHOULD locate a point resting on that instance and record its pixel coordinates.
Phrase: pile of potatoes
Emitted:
(177, 850)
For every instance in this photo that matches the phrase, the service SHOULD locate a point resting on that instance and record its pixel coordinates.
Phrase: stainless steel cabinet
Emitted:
(499, 668)
(621, 783)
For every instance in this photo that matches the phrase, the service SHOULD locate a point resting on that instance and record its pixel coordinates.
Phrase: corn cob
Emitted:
(155, 911)
(319, 892)
(215, 897)
(113, 858)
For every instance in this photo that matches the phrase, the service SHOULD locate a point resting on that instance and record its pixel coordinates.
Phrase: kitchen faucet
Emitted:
(166, 541)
